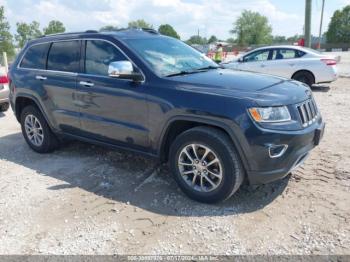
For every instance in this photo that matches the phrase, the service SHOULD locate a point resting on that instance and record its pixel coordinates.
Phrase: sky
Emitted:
(210, 17)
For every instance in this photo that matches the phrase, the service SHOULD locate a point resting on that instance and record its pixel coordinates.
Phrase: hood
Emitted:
(265, 90)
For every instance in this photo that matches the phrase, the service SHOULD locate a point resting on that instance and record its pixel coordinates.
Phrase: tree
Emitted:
(27, 32)
(6, 39)
(139, 24)
(108, 28)
(278, 39)
(212, 39)
(197, 40)
(339, 27)
(54, 27)
(168, 30)
(252, 28)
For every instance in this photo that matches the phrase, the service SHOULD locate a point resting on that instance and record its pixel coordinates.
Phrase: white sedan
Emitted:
(303, 64)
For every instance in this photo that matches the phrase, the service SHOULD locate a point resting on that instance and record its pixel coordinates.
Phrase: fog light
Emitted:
(277, 150)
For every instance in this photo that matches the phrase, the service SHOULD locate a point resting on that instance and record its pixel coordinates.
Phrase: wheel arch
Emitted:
(178, 125)
(305, 70)
(23, 100)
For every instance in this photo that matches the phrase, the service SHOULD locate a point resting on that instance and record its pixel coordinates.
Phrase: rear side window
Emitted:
(99, 54)
(286, 54)
(64, 56)
(35, 57)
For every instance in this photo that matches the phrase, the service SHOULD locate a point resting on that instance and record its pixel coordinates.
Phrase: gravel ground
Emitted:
(85, 199)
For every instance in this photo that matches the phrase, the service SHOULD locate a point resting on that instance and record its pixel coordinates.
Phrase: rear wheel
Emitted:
(36, 131)
(304, 77)
(205, 164)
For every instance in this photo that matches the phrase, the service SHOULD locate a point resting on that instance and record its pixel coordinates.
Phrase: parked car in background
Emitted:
(299, 63)
(4, 90)
(141, 91)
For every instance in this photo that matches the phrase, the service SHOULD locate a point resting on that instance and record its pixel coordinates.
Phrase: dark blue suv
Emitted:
(137, 90)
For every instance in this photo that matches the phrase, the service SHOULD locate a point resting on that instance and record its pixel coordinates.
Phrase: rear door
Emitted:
(60, 82)
(113, 110)
(284, 62)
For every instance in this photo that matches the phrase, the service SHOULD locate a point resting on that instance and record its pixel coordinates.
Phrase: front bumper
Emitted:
(300, 143)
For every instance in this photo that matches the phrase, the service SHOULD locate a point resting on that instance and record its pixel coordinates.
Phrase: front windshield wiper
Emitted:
(197, 70)
(182, 73)
(208, 68)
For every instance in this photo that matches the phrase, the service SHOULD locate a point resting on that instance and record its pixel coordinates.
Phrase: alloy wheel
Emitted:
(200, 167)
(34, 130)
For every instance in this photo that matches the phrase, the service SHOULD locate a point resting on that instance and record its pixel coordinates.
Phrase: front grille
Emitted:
(308, 112)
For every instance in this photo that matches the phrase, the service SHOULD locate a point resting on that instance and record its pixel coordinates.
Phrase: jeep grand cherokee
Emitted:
(137, 90)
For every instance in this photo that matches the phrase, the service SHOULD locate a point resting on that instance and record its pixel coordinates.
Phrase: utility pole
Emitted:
(320, 34)
(308, 6)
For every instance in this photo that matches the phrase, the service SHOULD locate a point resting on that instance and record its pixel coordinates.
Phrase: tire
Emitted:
(228, 165)
(304, 77)
(4, 107)
(49, 141)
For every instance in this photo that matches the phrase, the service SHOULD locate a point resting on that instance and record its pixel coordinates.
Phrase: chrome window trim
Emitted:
(76, 73)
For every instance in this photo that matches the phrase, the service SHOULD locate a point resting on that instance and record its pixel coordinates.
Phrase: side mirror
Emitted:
(240, 60)
(124, 70)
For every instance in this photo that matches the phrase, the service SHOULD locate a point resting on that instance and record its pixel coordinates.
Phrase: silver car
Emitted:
(303, 64)
(4, 90)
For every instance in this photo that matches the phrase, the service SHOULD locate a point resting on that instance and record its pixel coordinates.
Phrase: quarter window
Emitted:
(99, 54)
(35, 57)
(64, 56)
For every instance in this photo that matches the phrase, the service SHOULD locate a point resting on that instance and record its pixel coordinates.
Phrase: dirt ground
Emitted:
(84, 199)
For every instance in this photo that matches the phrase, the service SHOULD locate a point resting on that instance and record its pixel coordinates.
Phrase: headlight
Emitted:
(270, 114)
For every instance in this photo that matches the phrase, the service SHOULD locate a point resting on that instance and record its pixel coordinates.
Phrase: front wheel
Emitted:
(4, 107)
(206, 165)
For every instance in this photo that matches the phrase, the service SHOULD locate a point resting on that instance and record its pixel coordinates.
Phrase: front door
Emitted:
(255, 62)
(112, 110)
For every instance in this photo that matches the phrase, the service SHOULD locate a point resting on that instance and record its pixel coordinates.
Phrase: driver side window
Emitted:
(99, 54)
(257, 56)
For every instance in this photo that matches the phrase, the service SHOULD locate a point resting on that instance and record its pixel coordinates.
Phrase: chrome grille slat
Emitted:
(308, 112)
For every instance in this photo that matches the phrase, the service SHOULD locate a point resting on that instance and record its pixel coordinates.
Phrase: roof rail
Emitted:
(70, 33)
(150, 30)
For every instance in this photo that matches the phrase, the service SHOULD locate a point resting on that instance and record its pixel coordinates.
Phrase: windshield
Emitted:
(168, 56)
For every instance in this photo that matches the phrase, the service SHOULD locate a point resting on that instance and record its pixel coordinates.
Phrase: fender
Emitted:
(37, 103)
(211, 122)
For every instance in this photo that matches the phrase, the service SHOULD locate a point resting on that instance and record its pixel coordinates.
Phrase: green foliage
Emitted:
(279, 39)
(212, 39)
(339, 27)
(231, 40)
(54, 27)
(252, 28)
(197, 40)
(139, 24)
(27, 32)
(109, 28)
(6, 39)
(168, 30)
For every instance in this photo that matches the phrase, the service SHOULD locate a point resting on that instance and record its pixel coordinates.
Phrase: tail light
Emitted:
(4, 80)
(329, 62)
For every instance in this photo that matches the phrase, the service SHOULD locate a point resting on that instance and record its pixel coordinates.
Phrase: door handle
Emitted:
(84, 83)
(40, 77)
(262, 65)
